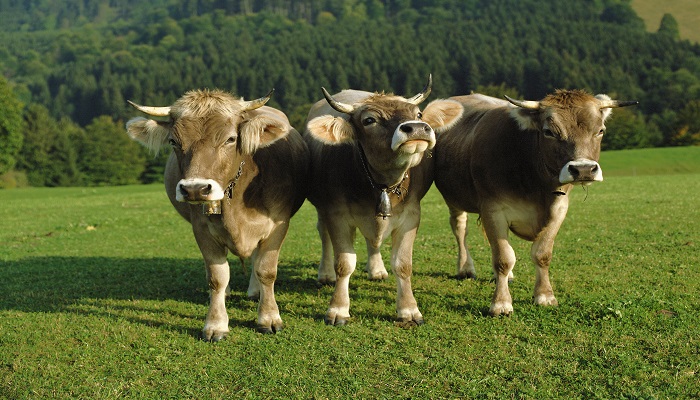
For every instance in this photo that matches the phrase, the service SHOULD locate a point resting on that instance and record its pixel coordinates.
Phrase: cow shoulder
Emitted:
(442, 114)
(261, 128)
(152, 134)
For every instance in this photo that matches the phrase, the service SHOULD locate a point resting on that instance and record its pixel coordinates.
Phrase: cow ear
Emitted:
(152, 134)
(260, 131)
(527, 119)
(442, 115)
(331, 130)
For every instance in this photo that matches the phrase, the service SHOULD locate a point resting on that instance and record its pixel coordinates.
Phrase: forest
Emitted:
(69, 67)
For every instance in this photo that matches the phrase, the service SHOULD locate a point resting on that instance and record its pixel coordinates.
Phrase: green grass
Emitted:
(686, 12)
(103, 294)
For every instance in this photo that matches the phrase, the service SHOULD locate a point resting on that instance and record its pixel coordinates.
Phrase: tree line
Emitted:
(69, 67)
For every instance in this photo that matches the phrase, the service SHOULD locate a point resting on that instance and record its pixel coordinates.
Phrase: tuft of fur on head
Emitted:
(148, 132)
(443, 114)
(331, 130)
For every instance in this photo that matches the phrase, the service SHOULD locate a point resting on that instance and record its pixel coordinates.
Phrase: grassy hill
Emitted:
(658, 161)
(686, 12)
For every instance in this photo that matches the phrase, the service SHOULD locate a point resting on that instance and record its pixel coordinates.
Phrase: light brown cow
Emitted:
(514, 163)
(237, 173)
(367, 173)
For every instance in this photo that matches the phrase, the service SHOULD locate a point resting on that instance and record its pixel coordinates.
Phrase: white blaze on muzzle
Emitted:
(198, 190)
(412, 130)
(582, 170)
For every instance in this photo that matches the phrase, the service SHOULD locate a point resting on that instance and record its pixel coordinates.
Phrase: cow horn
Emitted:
(616, 103)
(528, 104)
(154, 111)
(338, 106)
(420, 97)
(257, 103)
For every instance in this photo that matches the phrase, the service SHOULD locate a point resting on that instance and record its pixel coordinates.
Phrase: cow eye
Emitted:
(420, 115)
(231, 140)
(601, 132)
(368, 121)
(548, 133)
(174, 143)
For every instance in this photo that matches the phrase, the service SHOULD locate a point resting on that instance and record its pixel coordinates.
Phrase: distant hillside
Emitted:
(686, 12)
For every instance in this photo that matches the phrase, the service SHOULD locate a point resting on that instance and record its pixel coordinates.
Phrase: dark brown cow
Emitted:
(237, 173)
(515, 164)
(366, 152)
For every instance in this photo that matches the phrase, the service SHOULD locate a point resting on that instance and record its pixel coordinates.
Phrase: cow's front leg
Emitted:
(375, 265)
(460, 229)
(343, 239)
(503, 260)
(218, 274)
(326, 270)
(402, 266)
(541, 253)
(265, 260)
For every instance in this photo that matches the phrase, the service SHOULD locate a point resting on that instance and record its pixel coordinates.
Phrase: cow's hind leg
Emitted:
(326, 271)
(375, 265)
(465, 264)
(402, 266)
(503, 260)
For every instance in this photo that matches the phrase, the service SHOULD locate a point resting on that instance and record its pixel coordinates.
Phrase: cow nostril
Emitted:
(405, 128)
(574, 171)
(594, 169)
(205, 190)
(183, 191)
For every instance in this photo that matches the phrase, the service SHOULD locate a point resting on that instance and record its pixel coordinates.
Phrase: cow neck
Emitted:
(384, 203)
(229, 189)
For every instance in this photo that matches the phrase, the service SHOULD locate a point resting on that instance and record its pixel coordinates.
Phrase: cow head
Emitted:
(211, 132)
(391, 130)
(570, 125)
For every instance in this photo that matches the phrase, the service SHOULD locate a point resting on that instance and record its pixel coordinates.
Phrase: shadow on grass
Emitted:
(84, 285)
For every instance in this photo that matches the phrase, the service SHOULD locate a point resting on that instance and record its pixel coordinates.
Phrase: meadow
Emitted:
(103, 295)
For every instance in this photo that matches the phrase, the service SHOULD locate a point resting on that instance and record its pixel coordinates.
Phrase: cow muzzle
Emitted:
(581, 171)
(413, 137)
(198, 191)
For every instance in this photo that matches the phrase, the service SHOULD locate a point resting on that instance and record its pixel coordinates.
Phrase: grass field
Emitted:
(686, 12)
(103, 295)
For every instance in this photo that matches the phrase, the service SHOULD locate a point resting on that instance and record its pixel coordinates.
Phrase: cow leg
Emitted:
(503, 260)
(541, 253)
(265, 259)
(402, 265)
(343, 238)
(218, 274)
(375, 265)
(465, 264)
(253, 292)
(326, 272)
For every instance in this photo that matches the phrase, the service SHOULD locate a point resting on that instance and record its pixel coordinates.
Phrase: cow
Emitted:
(514, 163)
(368, 172)
(237, 173)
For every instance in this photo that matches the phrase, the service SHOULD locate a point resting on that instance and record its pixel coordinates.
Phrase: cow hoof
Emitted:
(546, 300)
(466, 275)
(269, 330)
(409, 323)
(378, 276)
(213, 336)
(336, 321)
(326, 281)
(499, 309)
